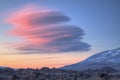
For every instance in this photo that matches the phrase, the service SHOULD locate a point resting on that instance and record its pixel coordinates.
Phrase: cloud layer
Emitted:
(45, 31)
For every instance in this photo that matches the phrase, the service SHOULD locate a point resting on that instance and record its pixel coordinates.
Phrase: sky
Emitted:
(56, 33)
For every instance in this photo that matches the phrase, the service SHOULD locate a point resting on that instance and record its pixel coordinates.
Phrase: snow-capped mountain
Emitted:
(100, 60)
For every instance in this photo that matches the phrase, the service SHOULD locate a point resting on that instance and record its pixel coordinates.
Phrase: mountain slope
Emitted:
(100, 60)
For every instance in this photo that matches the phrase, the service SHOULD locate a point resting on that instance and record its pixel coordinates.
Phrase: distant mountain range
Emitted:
(106, 61)
(109, 58)
(3, 67)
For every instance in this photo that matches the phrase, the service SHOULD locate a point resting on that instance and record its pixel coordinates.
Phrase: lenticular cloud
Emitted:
(45, 31)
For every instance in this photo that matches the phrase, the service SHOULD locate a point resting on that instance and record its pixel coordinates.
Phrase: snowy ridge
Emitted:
(109, 58)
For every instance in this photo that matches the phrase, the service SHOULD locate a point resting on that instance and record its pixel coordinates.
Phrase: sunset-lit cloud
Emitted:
(45, 31)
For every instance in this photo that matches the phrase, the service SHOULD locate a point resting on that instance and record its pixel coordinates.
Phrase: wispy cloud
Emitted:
(45, 31)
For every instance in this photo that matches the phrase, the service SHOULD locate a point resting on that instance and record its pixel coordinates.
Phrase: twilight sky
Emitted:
(56, 33)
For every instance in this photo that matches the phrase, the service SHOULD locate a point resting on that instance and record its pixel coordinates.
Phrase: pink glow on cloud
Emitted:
(43, 31)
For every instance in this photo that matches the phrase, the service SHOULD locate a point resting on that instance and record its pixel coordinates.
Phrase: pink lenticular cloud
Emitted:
(43, 31)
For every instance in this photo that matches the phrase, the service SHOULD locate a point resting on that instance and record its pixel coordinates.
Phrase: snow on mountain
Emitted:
(100, 60)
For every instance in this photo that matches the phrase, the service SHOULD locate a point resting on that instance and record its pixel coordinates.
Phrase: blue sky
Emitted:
(98, 18)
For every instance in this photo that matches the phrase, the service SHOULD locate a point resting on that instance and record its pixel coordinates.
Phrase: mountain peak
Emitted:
(109, 58)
